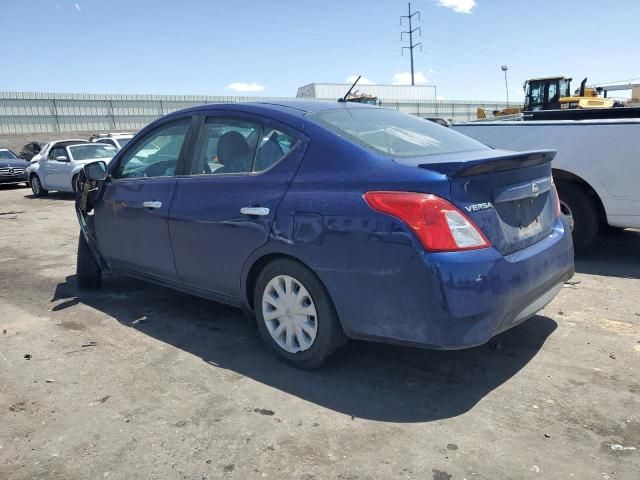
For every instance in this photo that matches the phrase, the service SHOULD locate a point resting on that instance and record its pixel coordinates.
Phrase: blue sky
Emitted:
(253, 47)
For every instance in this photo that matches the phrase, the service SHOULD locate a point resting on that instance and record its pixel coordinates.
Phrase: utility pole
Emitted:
(411, 32)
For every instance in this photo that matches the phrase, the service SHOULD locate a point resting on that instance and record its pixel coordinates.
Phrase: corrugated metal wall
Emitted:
(63, 112)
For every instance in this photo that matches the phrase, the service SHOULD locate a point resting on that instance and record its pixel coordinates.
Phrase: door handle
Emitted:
(152, 205)
(255, 211)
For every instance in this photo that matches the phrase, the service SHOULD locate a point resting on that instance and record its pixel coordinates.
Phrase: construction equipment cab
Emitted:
(554, 93)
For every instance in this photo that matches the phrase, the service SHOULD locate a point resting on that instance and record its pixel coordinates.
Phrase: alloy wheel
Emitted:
(289, 314)
(35, 185)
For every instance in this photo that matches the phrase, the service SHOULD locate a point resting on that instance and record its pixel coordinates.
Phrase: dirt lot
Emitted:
(137, 381)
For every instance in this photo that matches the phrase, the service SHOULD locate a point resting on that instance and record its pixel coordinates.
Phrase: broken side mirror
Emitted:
(95, 171)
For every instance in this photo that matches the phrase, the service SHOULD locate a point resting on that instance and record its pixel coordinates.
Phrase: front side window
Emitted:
(157, 154)
(227, 145)
(393, 133)
(57, 152)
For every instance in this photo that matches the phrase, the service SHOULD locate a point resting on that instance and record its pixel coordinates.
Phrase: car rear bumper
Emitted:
(460, 299)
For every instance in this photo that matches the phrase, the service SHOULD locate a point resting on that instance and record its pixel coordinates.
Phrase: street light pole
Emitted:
(506, 84)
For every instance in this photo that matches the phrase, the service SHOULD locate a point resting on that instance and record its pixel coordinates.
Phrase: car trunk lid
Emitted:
(509, 196)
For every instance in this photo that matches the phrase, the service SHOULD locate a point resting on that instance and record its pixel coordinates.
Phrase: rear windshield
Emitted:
(92, 150)
(394, 133)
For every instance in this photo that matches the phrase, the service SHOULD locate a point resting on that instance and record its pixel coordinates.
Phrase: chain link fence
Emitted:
(24, 112)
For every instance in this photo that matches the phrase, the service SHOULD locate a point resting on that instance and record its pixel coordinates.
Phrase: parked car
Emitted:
(12, 169)
(59, 171)
(31, 149)
(330, 221)
(49, 146)
(118, 140)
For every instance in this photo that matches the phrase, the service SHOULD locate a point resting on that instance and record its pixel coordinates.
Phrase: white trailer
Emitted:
(596, 169)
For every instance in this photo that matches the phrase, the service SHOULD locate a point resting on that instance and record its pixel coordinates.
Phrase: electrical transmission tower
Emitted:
(410, 32)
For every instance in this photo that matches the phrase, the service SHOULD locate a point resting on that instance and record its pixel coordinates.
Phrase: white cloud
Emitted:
(77, 7)
(459, 6)
(245, 87)
(363, 80)
(440, 97)
(404, 78)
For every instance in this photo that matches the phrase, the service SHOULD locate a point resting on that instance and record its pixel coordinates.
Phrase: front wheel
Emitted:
(296, 318)
(580, 210)
(36, 186)
(75, 186)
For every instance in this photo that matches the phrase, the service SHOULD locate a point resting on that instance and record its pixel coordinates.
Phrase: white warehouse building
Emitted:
(385, 93)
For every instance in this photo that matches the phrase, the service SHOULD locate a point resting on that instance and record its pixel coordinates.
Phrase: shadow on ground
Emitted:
(615, 253)
(365, 380)
(53, 196)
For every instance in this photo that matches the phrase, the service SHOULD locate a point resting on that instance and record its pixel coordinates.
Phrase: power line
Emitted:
(411, 32)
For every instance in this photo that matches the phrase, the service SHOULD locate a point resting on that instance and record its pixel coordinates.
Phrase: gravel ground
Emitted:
(137, 381)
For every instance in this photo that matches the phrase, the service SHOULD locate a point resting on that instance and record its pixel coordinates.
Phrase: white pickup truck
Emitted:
(596, 169)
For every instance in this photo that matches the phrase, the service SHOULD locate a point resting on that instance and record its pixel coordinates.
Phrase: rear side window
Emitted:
(157, 154)
(232, 145)
(393, 133)
(228, 145)
(274, 145)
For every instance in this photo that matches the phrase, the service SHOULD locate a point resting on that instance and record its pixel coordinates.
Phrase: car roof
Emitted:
(292, 107)
(67, 143)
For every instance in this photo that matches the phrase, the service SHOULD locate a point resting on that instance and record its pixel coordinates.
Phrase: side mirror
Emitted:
(62, 158)
(95, 171)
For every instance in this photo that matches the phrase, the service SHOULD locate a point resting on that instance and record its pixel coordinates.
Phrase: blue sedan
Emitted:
(329, 222)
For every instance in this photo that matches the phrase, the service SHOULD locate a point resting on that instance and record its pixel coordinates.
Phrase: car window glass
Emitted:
(123, 141)
(274, 145)
(227, 145)
(7, 155)
(108, 141)
(90, 151)
(57, 152)
(393, 133)
(156, 155)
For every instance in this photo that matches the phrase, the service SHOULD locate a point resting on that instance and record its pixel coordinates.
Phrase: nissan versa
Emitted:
(330, 221)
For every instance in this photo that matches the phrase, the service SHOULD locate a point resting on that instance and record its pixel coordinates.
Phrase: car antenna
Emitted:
(344, 99)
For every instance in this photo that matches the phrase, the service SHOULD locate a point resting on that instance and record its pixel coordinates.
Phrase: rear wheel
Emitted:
(296, 318)
(581, 213)
(88, 271)
(36, 186)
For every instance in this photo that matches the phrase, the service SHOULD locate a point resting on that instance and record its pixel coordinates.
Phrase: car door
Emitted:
(55, 169)
(240, 168)
(131, 216)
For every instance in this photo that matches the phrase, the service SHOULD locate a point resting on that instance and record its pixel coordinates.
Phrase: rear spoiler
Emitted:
(502, 162)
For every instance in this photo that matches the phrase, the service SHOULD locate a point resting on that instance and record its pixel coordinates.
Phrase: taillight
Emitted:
(438, 224)
(556, 197)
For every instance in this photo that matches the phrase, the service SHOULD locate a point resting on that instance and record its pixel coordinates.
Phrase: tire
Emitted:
(328, 336)
(36, 186)
(88, 271)
(581, 211)
(74, 184)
